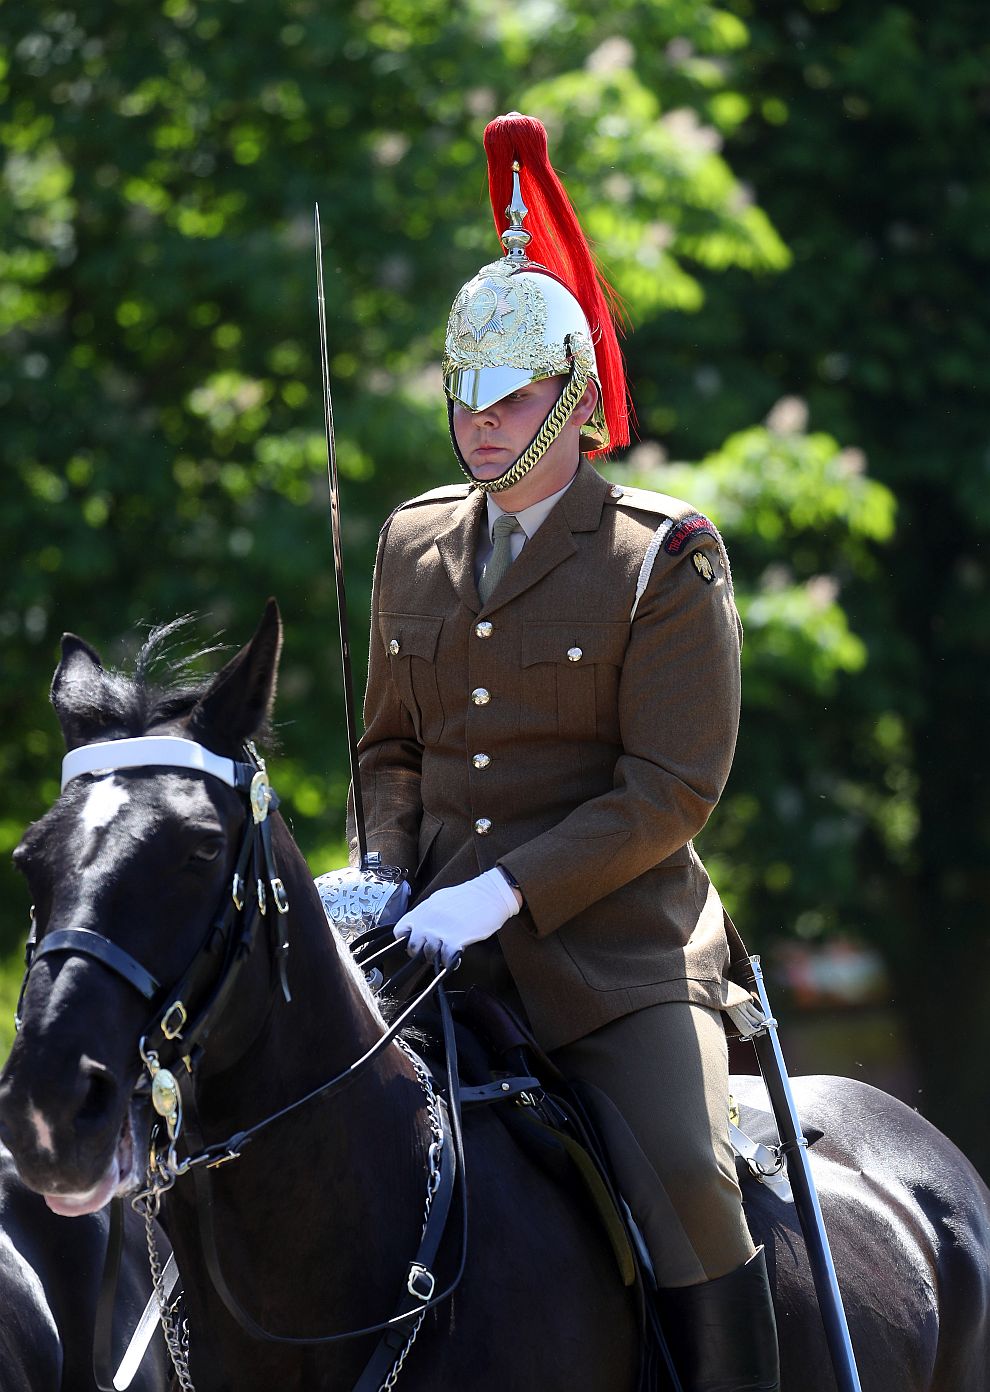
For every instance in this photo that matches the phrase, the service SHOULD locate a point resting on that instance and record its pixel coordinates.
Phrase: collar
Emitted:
(586, 497)
(530, 519)
(580, 510)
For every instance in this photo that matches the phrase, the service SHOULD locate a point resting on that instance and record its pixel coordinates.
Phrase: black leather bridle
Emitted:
(183, 1016)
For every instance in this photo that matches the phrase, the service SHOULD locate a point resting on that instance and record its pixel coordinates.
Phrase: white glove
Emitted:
(452, 919)
(748, 1017)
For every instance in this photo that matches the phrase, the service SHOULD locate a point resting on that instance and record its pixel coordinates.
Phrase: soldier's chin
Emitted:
(488, 470)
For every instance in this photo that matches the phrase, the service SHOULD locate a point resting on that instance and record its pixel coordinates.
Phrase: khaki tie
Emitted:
(501, 557)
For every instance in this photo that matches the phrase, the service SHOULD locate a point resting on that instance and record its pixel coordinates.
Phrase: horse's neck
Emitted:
(344, 1174)
(330, 1022)
(337, 1013)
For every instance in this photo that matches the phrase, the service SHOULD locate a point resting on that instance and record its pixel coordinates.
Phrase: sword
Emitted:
(146, 1327)
(354, 900)
(338, 558)
(795, 1147)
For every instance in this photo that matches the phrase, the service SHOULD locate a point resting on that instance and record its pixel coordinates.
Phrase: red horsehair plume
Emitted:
(559, 244)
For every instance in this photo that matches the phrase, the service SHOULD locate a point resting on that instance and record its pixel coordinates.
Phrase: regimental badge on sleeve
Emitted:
(703, 566)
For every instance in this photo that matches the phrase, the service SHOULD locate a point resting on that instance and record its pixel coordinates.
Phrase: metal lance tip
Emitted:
(515, 238)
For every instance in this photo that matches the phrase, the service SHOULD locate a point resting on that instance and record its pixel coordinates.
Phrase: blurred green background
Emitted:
(793, 200)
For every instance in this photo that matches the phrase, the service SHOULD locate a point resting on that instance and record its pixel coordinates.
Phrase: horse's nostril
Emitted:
(98, 1098)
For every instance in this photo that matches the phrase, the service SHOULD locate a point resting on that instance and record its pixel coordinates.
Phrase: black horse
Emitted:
(318, 1217)
(50, 1270)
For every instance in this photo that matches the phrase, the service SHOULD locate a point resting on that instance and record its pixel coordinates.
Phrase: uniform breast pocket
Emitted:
(411, 644)
(570, 678)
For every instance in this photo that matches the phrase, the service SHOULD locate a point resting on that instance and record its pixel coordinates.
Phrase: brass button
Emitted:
(615, 491)
(481, 760)
(484, 629)
(393, 647)
(480, 696)
(574, 654)
(482, 826)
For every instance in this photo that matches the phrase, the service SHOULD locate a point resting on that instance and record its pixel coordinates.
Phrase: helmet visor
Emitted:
(477, 388)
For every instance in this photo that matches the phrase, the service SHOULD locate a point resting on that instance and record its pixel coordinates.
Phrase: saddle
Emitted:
(500, 1063)
(499, 1060)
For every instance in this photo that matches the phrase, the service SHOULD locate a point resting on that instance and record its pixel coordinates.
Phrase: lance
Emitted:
(353, 902)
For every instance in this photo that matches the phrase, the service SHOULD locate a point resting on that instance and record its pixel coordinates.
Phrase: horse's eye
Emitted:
(206, 851)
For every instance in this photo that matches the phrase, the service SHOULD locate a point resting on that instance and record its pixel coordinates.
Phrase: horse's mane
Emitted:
(166, 682)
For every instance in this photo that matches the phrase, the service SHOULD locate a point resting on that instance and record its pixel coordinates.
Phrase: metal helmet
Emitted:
(524, 319)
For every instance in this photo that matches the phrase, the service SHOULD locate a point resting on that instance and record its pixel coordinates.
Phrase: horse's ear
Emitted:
(239, 700)
(76, 690)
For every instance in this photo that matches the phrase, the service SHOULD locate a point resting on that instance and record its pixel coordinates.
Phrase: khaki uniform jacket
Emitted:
(552, 733)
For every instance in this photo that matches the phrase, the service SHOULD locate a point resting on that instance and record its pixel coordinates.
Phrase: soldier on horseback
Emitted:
(551, 713)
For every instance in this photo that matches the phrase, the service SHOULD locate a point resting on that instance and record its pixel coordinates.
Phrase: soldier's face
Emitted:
(492, 439)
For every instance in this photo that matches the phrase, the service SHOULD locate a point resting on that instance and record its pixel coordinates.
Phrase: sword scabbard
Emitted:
(795, 1148)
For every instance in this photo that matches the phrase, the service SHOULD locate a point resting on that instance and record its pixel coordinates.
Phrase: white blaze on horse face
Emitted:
(105, 800)
(41, 1129)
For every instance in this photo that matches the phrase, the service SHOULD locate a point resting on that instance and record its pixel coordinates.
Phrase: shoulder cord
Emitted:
(653, 550)
(646, 569)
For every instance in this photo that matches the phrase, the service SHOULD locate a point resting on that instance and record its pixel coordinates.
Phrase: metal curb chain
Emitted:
(175, 1330)
(432, 1184)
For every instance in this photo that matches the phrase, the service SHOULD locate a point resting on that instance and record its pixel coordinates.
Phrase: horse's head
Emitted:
(130, 874)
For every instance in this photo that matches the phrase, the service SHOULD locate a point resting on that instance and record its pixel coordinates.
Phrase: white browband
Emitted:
(162, 751)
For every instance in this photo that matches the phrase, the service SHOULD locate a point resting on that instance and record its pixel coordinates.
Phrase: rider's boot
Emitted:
(722, 1334)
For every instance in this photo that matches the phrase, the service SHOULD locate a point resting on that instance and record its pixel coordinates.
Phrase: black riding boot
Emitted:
(722, 1333)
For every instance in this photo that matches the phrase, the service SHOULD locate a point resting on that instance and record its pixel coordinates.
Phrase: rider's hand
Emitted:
(452, 919)
(748, 1017)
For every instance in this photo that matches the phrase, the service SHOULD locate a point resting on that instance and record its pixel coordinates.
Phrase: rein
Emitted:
(420, 1281)
(181, 1029)
(219, 1152)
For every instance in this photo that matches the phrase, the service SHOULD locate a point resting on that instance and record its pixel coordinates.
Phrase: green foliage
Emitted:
(863, 143)
(11, 970)
(791, 198)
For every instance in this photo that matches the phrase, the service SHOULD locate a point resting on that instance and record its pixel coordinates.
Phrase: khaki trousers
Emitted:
(658, 1081)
